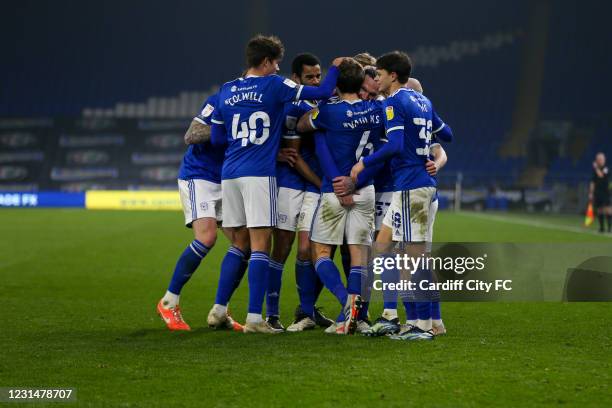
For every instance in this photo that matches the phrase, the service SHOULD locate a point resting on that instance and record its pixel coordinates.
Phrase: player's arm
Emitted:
(199, 129)
(326, 89)
(439, 159)
(328, 165)
(316, 120)
(591, 190)
(306, 123)
(394, 125)
(331, 171)
(288, 91)
(368, 174)
(198, 132)
(394, 145)
(441, 130)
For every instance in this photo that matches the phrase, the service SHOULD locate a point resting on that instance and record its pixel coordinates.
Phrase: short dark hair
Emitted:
(297, 65)
(261, 47)
(371, 72)
(351, 76)
(398, 62)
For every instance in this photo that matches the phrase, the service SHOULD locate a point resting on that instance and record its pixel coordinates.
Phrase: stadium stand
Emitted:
(87, 125)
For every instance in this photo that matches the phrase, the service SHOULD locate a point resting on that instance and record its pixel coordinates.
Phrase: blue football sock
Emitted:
(363, 312)
(306, 280)
(232, 269)
(275, 277)
(330, 275)
(340, 318)
(241, 272)
(435, 311)
(423, 310)
(186, 265)
(318, 286)
(258, 280)
(411, 311)
(354, 280)
(389, 295)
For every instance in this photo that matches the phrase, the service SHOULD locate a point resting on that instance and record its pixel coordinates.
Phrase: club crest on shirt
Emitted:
(389, 112)
(349, 113)
(315, 113)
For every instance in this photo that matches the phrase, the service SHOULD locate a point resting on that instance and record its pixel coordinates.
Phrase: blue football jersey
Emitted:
(203, 161)
(352, 130)
(383, 180)
(307, 150)
(251, 109)
(413, 114)
(286, 175)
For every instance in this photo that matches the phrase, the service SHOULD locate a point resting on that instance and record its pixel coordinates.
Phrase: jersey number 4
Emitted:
(248, 128)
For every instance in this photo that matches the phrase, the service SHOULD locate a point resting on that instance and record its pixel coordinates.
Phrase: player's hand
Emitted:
(595, 165)
(337, 61)
(431, 167)
(343, 186)
(346, 201)
(287, 155)
(357, 168)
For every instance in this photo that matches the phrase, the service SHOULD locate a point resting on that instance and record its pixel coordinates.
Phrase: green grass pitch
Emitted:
(78, 291)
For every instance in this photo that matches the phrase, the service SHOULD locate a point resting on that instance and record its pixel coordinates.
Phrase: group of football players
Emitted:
(337, 162)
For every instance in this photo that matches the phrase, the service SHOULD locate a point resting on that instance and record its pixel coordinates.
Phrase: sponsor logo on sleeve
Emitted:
(315, 113)
(289, 83)
(207, 111)
(291, 122)
(389, 112)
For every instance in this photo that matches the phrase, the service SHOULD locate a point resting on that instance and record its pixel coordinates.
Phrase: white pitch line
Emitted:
(532, 223)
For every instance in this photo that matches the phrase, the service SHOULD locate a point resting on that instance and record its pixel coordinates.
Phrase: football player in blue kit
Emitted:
(410, 121)
(349, 130)
(249, 119)
(199, 184)
(389, 323)
(299, 181)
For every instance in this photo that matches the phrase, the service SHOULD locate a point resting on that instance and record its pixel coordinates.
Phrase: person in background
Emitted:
(599, 191)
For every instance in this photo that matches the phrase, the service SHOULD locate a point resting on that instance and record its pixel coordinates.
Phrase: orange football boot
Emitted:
(172, 317)
(234, 324)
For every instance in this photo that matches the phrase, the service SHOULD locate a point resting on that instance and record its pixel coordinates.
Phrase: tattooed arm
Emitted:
(197, 133)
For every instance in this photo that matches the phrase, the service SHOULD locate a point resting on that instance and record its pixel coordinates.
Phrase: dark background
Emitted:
(524, 84)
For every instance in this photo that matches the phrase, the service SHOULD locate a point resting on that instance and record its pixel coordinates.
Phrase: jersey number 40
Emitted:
(248, 128)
